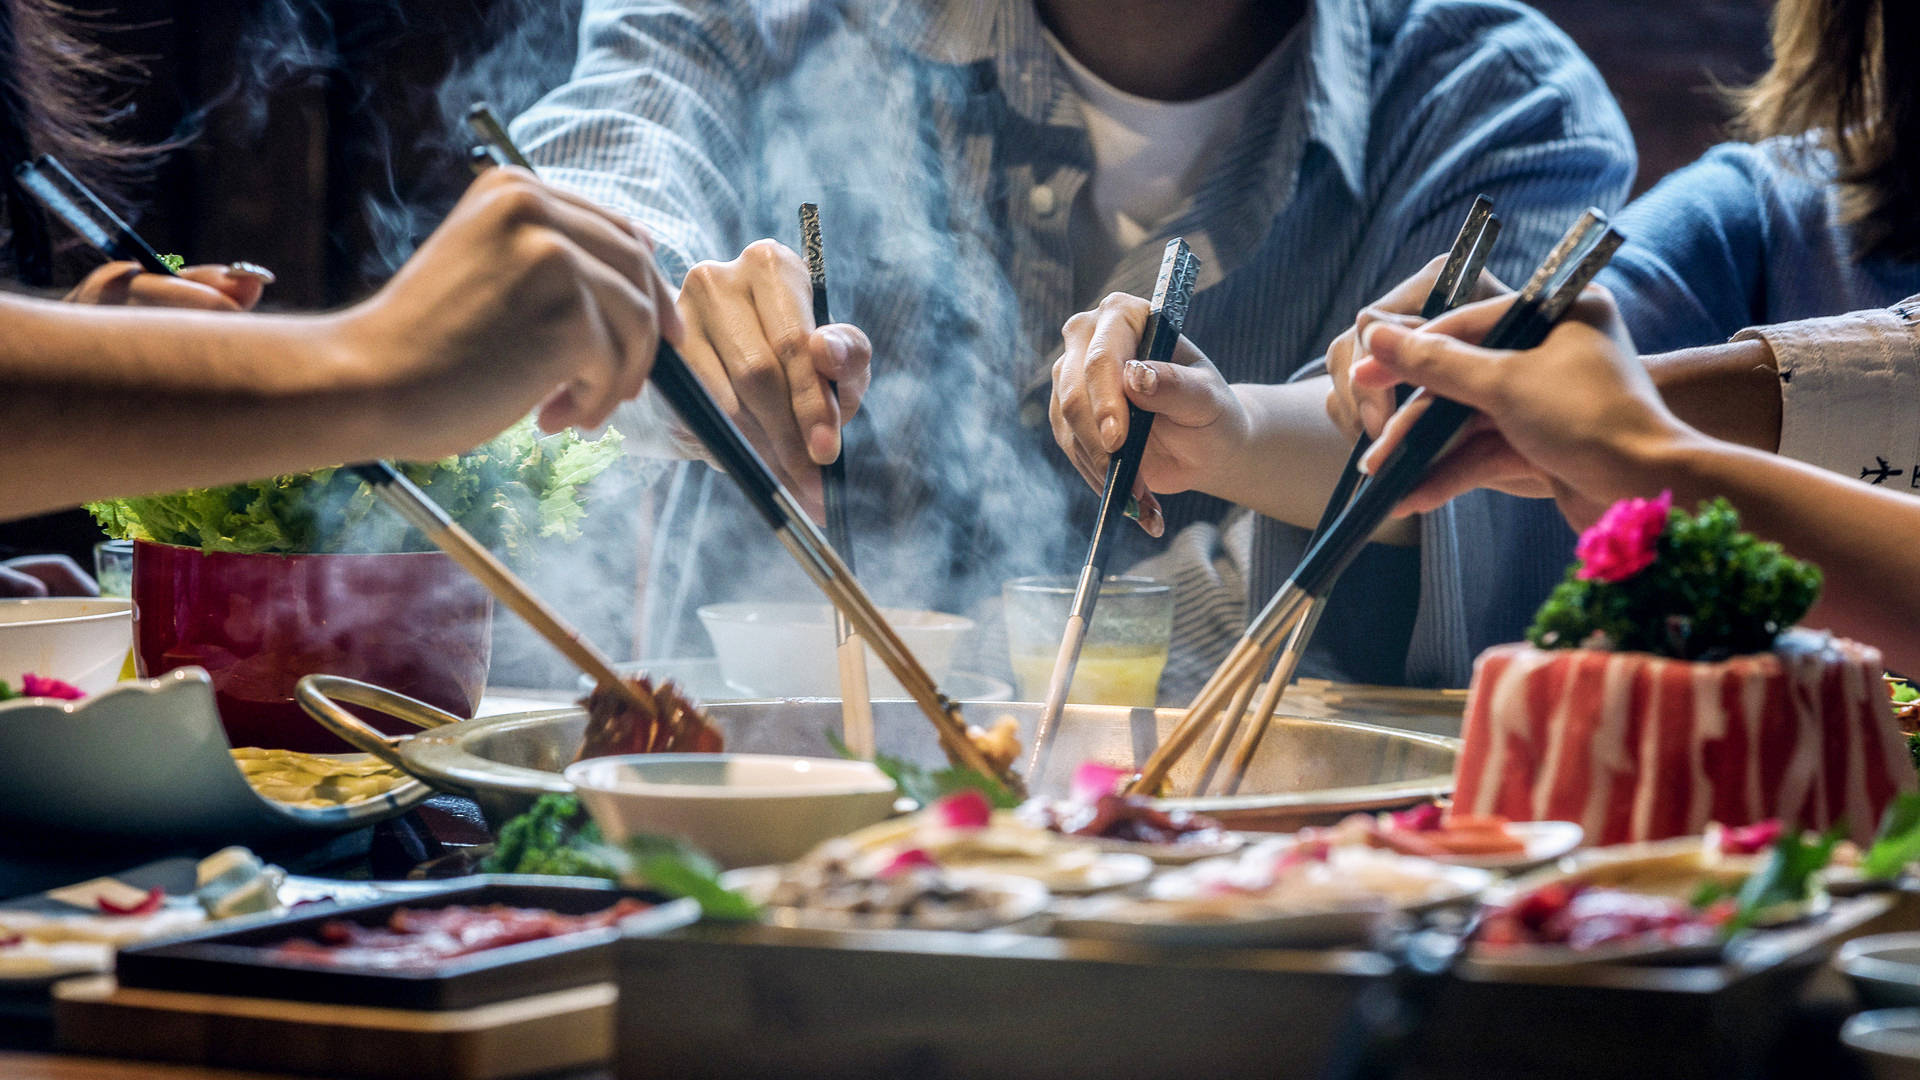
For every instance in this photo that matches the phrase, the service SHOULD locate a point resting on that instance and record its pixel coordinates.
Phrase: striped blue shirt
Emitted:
(945, 144)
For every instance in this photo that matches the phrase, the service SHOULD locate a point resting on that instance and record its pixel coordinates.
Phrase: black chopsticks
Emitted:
(1545, 299)
(1172, 293)
(66, 198)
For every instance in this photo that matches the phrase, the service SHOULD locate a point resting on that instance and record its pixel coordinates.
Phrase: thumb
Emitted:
(1190, 396)
(1447, 366)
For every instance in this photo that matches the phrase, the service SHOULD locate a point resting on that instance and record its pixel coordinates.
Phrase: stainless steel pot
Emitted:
(1309, 770)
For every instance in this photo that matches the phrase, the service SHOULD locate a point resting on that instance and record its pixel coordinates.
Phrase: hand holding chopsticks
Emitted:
(1547, 297)
(788, 522)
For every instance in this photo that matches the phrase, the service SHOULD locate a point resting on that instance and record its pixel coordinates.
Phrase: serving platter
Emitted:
(766, 1000)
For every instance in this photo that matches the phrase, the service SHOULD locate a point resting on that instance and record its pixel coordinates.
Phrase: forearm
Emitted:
(103, 401)
(1293, 458)
(1729, 391)
(1859, 536)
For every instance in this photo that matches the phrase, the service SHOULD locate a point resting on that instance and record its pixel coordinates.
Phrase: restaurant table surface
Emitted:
(30, 1066)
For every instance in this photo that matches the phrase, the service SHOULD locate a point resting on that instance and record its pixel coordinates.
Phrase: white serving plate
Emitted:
(1545, 841)
(1018, 900)
(148, 761)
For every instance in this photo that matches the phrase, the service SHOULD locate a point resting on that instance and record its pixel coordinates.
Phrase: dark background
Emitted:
(321, 136)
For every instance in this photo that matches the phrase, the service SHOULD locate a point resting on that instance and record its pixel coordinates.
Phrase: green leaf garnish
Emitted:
(678, 869)
(1787, 877)
(928, 786)
(1898, 841)
(173, 262)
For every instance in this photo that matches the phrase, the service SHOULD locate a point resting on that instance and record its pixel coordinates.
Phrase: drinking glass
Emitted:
(1126, 647)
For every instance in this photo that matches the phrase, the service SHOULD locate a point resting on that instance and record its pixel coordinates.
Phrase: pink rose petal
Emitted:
(1750, 839)
(967, 809)
(1423, 818)
(1625, 540)
(1094, 779)
(910, 859)
(33, 685)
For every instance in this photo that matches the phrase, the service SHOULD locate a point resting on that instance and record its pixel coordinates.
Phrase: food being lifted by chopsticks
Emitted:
(1452, 288)
(856, 700)
(1172, 292)
(1546, 298)
(789, 523)
(66, 198)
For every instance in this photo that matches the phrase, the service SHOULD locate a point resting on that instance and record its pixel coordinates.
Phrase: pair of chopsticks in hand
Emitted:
(1547, 297)
(66, 198)
(781, 512)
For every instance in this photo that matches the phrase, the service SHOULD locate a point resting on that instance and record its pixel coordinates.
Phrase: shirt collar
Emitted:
(1334, 93)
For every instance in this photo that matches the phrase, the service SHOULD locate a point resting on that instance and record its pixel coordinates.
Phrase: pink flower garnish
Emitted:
(1426, 817)
(910, 859)
(1094, 779)
(1622, 543)
(32, 685)
(963, 810)
(1304, 852)
(147, 906)
(1750, 839)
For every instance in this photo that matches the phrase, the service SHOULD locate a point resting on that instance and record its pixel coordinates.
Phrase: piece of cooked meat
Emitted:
(674, 723)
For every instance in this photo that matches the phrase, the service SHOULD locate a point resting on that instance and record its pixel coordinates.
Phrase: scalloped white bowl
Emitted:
(82, 640)
(145, 761)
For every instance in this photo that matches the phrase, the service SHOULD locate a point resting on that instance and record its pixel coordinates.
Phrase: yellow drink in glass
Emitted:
(1126, 647)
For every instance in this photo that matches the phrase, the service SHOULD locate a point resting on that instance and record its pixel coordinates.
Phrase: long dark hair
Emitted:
(1839, 73)
(56, 90)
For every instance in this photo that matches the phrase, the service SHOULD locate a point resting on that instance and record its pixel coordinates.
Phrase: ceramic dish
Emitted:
(1013, 901)
(82, 640)
(1545, 842)
(1884, 969)
(1888, 1040)
(147, 761)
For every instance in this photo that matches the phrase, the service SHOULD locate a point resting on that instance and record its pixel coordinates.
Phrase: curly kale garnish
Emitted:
(1712, 592)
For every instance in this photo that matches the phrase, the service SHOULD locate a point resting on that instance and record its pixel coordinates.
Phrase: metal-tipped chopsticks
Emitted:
(1172, 293)
(1547, 297)
(856, 699)
(783, 515)
(66, 198)
(1454, 285)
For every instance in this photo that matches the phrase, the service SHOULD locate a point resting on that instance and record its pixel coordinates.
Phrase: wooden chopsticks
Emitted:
(856, 698)
(1546, 298)
(783, 515)
(1172, 293)
(68, 199)
(1454, 285)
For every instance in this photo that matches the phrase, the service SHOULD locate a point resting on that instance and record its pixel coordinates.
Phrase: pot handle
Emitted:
(316, 694)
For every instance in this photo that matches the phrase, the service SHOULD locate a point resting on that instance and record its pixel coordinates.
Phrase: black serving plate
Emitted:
(240, 962)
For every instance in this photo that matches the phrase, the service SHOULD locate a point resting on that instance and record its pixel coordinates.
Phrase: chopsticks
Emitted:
(66, 198)
(856, 699)
(1172, 293)
(1545, 299)
(783, 515)
(1454, 285)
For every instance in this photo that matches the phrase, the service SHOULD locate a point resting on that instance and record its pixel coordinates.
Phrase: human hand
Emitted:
(1357, 410)
(526, 295)
(1200, 422)
(1577, 418)
(45, 575)
(233, 287)
(752, 341)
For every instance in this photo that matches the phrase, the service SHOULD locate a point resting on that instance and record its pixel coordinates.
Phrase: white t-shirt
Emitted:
(1149, 156)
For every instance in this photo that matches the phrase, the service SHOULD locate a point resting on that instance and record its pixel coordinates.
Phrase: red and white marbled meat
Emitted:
(1639, 747)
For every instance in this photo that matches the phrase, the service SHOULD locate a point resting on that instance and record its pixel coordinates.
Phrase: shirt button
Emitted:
(1042, 200)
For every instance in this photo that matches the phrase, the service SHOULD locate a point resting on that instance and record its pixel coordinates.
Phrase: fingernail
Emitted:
(823, 444)
(1141, 378)
(1366, 336)
(251, 270)
(1366, 463)
(1110, 433)
(838, 348)
(1151, 520)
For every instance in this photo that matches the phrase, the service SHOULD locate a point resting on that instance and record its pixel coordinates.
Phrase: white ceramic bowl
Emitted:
(742, 809)
(786, 650)
(1884, 969)
(82, 640)
(1888, 1040)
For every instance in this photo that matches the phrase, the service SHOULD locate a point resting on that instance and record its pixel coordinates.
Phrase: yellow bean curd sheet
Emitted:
(316, 780)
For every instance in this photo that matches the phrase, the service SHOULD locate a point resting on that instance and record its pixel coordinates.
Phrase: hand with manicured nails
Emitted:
(1357, 409)
(233, 287)
(1576, 418)
(1200, 422)
(45, 575)
(525, 296)
(752, 341)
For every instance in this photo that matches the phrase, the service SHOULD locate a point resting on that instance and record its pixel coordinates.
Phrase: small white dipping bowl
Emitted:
(1884, 968)
(742, 809)
(82, 640)
(1888, 1040)
(771, 649)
